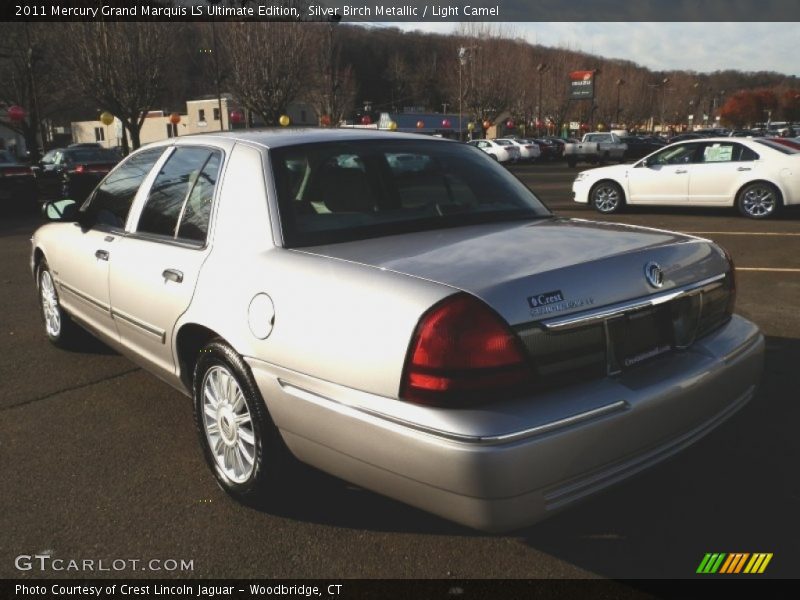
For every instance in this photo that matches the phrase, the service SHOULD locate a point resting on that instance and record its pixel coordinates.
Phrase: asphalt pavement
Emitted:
(99, 460)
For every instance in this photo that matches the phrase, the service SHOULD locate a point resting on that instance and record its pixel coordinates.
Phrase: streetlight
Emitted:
(462, 59)
(541, 68)
(620, 83)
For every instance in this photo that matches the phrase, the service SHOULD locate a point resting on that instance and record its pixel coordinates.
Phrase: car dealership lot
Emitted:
(101, 460)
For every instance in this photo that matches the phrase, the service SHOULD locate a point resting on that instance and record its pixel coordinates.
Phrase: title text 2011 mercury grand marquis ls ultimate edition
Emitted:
(401, 312)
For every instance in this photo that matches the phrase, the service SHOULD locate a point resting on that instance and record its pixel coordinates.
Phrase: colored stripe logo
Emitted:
(734, 563)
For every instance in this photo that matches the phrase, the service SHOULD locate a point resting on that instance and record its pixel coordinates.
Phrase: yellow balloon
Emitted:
(392, 126)
(470, 126)
(106, 118)
(284, 120)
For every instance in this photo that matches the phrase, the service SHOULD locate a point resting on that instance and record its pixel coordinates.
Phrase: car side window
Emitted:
(716, 152)
(110, 203)
(675, 155)
(197, 213)
(181, 195)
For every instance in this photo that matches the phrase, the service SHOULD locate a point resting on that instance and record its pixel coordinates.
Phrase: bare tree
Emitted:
(29, 80)
(267, 64)
(121, 66)
(488, 80)
(332, 86)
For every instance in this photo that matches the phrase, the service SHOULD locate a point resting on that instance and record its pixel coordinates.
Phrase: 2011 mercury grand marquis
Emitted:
(401, 312)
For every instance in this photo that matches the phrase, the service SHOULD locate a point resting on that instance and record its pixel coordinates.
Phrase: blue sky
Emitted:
(702, 47)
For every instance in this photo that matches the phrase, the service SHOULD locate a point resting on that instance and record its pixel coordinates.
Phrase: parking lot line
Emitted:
(788, 234)
(768, 269)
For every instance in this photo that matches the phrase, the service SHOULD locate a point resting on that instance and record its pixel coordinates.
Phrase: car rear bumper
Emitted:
(509, 465)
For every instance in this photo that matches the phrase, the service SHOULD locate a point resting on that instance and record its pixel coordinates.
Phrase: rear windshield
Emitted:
(778, 146)
(5, 157)
(342, 191)
(90, 154)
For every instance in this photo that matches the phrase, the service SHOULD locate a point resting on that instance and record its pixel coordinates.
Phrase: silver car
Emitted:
(426, 329)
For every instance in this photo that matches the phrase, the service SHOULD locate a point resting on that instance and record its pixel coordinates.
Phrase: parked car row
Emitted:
(70, 172)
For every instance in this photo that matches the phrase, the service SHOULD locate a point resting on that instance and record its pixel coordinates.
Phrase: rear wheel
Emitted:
(759, 200)
(607, 197)
(571, 162)
(240, 443)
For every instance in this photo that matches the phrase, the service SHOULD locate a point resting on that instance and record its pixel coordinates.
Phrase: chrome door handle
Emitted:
(680, 171)
(745, 169)
(173, 275)
(108, 238)
(101, 254)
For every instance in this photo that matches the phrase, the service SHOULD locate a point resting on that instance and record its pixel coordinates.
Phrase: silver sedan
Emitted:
(402, 313)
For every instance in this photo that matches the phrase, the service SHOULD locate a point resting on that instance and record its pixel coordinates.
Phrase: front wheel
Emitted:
(607, 197)
(60, 329)
(240, 443)
(758, 200)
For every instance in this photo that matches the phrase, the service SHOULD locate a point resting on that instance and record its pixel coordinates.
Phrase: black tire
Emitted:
(571, 162)
(65, 334)
(759, 200)
(607, 197)
(270, 455)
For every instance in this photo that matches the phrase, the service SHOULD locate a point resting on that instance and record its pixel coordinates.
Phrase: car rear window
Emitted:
(91, 154)
(777, 146)
(340, 191)
(5, 157)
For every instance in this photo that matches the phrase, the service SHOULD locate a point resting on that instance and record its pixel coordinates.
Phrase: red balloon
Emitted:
(16, 113)
(487, 123)
(510, 124)
(420, 124)
(174, 118)
(584, 126)
(366, 120)
(325, 120)
(446, 123)
(237, 116)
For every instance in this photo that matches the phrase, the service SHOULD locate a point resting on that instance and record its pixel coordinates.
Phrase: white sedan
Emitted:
(502, 151)
(528, 149)
(758, 176)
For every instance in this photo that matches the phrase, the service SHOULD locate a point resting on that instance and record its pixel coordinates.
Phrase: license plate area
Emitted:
(637, 337)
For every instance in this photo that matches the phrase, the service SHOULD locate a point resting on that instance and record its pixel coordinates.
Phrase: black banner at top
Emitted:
(428, 11)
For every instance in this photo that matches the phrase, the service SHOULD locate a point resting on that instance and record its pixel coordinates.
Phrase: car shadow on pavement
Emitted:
(730, 492)
(736, 490)
(309, 495)
(86, 343)
(786, 214)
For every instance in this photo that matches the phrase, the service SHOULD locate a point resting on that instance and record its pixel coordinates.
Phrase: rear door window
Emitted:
(179, 202)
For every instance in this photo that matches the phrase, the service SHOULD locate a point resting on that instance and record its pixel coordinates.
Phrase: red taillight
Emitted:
(462, 352)
(79, 169)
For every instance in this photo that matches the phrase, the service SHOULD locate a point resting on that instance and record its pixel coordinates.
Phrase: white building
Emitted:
(201, 116)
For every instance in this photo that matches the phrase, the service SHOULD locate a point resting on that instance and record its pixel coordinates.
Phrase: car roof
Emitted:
(276, 138)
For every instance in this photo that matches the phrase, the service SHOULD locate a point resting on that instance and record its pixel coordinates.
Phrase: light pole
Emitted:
(620, 83)
(462, 59)
(663, 85)
(541, 68)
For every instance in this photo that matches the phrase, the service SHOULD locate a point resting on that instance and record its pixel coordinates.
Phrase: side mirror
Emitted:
(61, 210)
